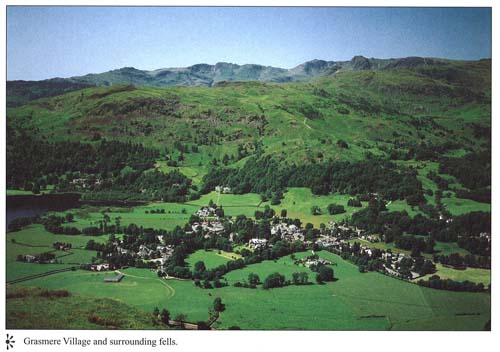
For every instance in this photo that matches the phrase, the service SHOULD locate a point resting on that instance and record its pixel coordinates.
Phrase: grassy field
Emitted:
(35, 240)
(30, 310)
(356, 301)
(211, 258)
(446, 248)
(458, 206)
(233, 204)
(175, 215)
(471, 274)
(298, 202)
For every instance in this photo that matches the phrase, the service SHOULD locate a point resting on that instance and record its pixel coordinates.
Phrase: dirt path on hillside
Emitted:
(169, 288)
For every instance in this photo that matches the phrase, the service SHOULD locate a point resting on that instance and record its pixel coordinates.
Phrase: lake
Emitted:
(33, 205)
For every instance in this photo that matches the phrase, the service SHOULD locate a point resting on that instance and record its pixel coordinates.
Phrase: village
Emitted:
(210, 222)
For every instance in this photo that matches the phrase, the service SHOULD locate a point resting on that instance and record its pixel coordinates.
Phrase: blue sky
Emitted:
(46, 42)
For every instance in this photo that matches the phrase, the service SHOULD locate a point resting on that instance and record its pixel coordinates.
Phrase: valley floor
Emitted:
(355, 301)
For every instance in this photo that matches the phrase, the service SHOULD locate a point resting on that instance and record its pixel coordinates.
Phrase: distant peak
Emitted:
(360, 62)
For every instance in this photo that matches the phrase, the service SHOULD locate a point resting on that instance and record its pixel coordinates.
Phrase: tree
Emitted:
(181, 317)
(315, 210)
(165, 316)
(326, 273)
(218, 305)
(342, 144)
(156, 312)
(219, 212)
(429, 245)
(274, 280)
(354, 202)
(202, 325)
(69, 217)
(199, 269)
(428, 268)
(225, 159)
(283, 213)
(335, 209)
(253, 279)
(300, 278)
(36, 188)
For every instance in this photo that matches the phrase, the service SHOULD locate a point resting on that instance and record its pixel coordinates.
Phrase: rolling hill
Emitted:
(405, 110)
(19, 92)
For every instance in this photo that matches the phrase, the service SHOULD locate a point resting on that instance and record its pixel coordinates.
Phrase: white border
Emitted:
(282, 340)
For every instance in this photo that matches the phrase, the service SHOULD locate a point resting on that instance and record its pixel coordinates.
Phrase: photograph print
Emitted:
(248, 168)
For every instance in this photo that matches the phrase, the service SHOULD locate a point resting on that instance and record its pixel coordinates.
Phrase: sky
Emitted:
(47, 42)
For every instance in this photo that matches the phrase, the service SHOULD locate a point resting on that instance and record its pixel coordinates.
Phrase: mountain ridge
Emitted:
(206, 75)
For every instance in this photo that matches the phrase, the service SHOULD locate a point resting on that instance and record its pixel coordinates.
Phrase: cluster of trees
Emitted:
(324, 273)
(354, 202)
(473, 170)
(335, 209)
(110, 169)
(300, 279)
(155, 211)
(42, 258)
(362, 260)
(461, 262)
(274, 280)
(268, 213)
(264, 174)
(19, 223)
(464, 229)
(54, 224)
(58, 245)
(415, 244)
(171, 187)
(437, 283)
(163, 316)
(423, 266)
(376, 219)
(253, 281)
(30, 160)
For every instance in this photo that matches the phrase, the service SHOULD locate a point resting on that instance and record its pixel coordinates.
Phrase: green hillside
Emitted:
(371, 110)
(34, 308)
(408, 110)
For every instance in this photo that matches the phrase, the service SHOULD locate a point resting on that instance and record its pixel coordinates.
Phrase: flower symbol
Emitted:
(10, 341)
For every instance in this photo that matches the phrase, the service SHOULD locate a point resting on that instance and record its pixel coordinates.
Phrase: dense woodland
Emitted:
(264, 175)
(32, 160)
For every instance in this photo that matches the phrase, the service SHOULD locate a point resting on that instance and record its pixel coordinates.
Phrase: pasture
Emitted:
(35, 240)
(471, 274)
(26, 308)
(298, 202)
(212, 258)
(369, 301)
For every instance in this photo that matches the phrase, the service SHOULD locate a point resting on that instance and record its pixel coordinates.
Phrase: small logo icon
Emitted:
(10, 341)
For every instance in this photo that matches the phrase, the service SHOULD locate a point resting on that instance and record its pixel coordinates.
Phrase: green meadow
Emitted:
(35, 240)
(27, 308)
(212, 258)
(471, 274)
(356, 301)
